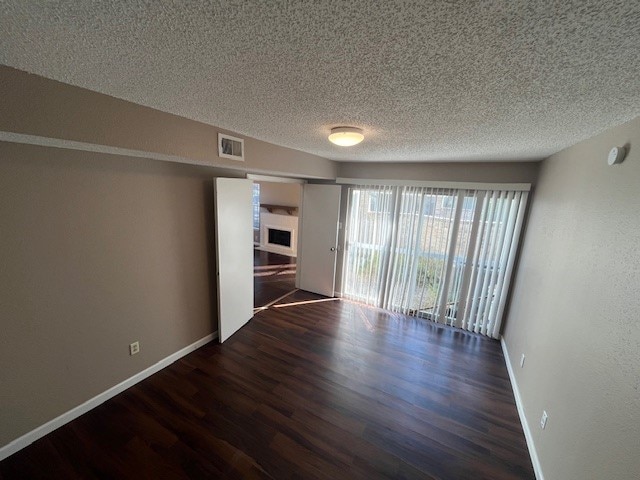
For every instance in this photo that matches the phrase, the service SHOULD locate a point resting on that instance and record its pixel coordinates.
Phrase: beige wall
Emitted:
(35, 105)
(575, 312)
(280, 193)
(97, 251)
(493, 172)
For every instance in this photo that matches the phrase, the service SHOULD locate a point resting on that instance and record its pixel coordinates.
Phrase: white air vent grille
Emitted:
(230, 147)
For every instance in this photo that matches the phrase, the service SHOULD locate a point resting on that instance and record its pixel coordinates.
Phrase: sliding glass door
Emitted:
(441, 254)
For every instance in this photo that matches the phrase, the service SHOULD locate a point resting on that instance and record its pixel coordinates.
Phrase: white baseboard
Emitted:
(50, 426)
(537, 468)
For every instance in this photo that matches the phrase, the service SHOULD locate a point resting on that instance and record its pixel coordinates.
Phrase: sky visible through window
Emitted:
(256, 206)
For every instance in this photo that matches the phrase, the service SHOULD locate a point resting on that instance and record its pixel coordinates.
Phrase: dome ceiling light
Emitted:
(346, 136)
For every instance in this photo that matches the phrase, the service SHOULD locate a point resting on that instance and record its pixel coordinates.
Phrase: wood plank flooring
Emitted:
(326, 390)
(273, 276)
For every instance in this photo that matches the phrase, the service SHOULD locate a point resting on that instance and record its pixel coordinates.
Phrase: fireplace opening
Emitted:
(280, 237)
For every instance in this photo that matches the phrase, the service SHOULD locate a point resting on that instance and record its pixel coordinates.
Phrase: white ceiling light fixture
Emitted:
(346, 136)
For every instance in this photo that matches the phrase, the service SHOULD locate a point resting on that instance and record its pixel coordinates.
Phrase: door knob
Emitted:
(333, 249)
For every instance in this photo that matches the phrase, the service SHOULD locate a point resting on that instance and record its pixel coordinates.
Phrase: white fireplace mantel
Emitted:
(287, 223)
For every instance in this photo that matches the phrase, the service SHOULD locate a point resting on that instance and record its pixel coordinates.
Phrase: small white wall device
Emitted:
(616, 155)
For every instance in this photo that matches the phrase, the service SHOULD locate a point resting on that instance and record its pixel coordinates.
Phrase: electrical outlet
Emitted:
(134, 348)
(543, 419)
(522, 361)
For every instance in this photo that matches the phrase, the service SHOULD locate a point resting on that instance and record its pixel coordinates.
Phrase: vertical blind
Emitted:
(442, 254)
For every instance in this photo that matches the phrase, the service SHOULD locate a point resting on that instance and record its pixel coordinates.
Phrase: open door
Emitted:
(317, 251)
(234, 253)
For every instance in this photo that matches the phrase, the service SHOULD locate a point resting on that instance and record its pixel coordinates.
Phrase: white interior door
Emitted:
(318, 237)
(234, 253)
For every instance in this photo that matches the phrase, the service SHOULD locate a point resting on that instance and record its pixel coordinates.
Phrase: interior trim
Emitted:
(537, 468)
(269, 178)
(94, 147)
(521, 187)
(41, 141)
(39, 432)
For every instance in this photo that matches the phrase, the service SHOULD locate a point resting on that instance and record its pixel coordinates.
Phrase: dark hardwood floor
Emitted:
(273, 276)
(325, 390)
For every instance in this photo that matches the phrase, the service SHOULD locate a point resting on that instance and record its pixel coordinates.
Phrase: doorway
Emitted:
(276, 207)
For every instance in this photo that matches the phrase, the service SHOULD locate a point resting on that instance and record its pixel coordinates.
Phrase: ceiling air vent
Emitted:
(230, 147)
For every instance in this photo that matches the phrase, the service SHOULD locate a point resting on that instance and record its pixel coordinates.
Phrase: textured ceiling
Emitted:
(427, 81)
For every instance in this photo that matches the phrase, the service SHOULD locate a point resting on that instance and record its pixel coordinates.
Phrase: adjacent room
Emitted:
(320, 240)
(275, 228)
